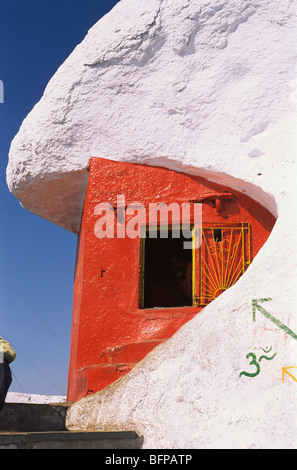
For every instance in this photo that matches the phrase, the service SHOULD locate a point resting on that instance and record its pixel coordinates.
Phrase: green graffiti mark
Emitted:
(270, 317)
(252, 363)
(268, 358)
(255, 362)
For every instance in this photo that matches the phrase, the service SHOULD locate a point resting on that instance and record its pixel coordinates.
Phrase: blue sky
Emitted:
(36, 257)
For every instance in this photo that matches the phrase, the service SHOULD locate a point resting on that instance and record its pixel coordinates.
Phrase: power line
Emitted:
(22, 390)
(35, 367)
(33, 309)
(46, 325)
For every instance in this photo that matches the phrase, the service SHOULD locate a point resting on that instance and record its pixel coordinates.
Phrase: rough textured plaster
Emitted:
(203, 84)
(207, 87)
(188, 394)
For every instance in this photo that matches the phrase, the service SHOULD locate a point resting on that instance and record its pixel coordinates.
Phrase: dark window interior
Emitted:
(167, 273)
(217, 235)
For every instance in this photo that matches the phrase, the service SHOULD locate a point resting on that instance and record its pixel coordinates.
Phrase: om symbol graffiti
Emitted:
(254, 362)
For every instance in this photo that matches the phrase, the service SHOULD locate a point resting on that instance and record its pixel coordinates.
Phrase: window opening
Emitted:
(166, 277)
(172, 276)
(217, 235)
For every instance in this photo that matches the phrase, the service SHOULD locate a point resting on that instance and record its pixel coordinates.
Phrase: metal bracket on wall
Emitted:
(216, 197)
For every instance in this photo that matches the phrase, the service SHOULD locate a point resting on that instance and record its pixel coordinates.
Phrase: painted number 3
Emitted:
(254, 362)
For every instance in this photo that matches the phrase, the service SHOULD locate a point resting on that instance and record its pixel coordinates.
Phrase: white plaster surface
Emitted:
(15, 397)
(208, 87)
(204, 83)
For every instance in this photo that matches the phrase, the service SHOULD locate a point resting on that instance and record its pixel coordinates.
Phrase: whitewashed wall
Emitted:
(207, 87)
(15, 397)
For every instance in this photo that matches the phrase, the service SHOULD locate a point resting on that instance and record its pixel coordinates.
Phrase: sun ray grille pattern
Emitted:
(223, 257)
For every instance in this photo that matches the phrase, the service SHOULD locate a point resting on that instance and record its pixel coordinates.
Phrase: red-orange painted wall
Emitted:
(110, 333)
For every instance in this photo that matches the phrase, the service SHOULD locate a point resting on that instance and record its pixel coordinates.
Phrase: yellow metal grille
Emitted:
(223, 257)
(217, 262)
